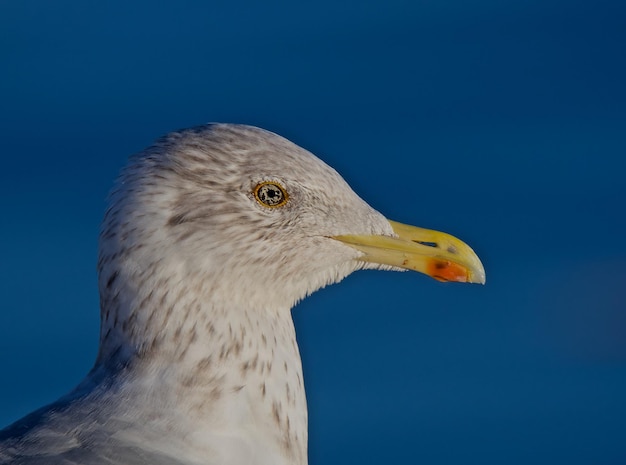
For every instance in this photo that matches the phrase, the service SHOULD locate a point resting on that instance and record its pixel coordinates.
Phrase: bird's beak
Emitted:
(437, 254)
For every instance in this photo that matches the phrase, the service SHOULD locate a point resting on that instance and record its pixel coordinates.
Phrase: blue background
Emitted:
(503, 123)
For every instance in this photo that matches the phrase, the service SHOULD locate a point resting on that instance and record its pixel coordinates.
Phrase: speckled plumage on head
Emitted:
(183, 212)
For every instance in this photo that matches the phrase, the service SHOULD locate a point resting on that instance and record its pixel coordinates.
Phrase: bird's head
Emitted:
(241, 214)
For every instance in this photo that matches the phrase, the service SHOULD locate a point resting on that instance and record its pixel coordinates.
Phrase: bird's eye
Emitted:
(270, 194)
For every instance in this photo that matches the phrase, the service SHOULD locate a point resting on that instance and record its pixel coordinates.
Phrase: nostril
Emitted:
(428, 244)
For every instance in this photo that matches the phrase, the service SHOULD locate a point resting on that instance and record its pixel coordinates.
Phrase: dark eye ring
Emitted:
(270, 194)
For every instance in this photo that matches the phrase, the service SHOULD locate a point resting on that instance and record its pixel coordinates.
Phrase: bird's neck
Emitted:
(233, 375)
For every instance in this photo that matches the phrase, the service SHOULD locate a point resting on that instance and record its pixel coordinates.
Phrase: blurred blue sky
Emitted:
(503, 123)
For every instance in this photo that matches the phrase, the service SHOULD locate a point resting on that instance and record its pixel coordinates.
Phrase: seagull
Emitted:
(211, 236)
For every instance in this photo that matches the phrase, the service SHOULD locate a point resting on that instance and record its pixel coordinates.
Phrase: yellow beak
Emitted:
(437, 254)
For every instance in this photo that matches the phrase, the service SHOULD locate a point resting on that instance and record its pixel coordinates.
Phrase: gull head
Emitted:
(237, 217)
